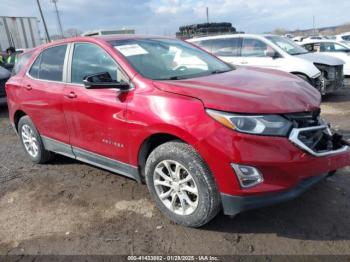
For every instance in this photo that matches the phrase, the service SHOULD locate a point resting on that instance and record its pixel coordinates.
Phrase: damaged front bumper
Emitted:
(318, 140)
(317, 153)
(331, 79)
(233, 205)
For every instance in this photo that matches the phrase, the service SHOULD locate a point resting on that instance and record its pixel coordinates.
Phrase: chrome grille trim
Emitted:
(294, 138)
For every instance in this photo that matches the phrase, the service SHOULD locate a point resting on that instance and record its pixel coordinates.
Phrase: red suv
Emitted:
(203, 135)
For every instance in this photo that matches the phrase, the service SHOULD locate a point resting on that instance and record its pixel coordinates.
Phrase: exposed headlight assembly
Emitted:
(270, 125)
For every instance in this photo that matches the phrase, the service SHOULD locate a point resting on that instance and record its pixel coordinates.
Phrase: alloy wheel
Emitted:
(29, 140)
(176, 187)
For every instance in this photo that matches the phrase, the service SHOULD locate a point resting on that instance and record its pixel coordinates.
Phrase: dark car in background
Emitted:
(6, 70)
(4, 76)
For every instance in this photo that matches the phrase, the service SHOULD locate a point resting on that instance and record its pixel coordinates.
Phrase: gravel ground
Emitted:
(67, 207)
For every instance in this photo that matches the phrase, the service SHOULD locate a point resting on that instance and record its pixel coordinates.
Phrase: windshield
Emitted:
(164, 59)
(287, 45)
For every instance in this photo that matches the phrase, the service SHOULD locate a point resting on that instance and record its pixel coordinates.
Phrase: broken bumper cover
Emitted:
(233, 205)
(330, 80)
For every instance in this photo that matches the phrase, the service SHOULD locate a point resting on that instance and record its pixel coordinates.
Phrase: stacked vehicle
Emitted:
(189, 31)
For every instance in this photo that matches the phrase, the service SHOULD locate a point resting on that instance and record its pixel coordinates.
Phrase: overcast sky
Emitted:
(164, 17)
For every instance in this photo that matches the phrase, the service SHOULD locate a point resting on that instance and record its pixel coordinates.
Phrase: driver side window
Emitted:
(89, 59)
(254, 48)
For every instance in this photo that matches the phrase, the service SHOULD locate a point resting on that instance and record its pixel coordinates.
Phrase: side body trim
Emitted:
(92, 158)
(57, 147)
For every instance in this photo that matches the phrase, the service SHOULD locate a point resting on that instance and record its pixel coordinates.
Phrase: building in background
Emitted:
(109, 32)
(19, 32)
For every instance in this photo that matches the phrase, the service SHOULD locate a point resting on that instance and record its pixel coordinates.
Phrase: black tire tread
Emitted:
(44, 155)
(178, 147)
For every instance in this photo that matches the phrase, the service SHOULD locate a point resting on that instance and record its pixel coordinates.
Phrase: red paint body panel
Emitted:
(249, 90)
(96, 121)
(99, 120)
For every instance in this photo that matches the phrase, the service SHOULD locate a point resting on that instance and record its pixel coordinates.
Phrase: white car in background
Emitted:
(332, 48)
(270, 51)
(343, 37)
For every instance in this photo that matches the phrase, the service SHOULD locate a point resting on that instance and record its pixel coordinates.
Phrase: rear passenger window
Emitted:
(49, 64)
(332, 47)
(254, 48)
(226, 47)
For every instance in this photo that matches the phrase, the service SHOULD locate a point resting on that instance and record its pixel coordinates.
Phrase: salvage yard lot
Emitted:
(67, 207)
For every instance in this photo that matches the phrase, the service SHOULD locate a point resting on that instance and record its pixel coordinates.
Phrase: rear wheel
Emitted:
(182, 185)
(31, 141)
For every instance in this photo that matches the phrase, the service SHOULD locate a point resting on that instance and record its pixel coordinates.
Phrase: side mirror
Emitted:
(103, 80)
(272, 53)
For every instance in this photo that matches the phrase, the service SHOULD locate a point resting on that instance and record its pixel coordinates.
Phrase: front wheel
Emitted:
(182, 185)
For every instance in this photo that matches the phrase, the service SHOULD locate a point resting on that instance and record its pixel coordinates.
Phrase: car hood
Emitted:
(248, 90)
(321, 59)
(4, 73)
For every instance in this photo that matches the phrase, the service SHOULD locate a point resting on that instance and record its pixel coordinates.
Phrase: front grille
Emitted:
(331, 73)
(318, 83)
(304, 119)
(319, 140)
(332, 77)
(311, 134)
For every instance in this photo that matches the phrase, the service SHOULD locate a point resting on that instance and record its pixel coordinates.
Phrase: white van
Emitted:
(270, 51)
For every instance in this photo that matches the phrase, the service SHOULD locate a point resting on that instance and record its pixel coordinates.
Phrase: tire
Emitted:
(205, 205)
(33, 146)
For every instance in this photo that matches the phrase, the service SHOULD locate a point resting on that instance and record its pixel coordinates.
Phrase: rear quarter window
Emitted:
(49, 64)
(21, 62)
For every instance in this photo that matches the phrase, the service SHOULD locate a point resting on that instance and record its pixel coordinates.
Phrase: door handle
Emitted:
(28, 87)
(71, 95)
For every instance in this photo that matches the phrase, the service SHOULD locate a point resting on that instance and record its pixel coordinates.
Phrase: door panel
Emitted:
(43, 91)
(96, 121)
(43, 103)
(254, 53)
(95, 117)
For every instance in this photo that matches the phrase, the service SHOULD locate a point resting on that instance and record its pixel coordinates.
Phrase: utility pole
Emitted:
(44, 23)
(313, 24)
(207, 15)
(58, 17)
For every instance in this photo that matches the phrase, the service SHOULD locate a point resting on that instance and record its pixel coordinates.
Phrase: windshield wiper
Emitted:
(194, 75)
(171, 78)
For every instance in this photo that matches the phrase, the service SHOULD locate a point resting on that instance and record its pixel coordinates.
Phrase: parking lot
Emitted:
(67, 207)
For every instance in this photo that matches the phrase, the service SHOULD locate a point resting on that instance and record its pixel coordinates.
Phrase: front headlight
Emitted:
(273, 125)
